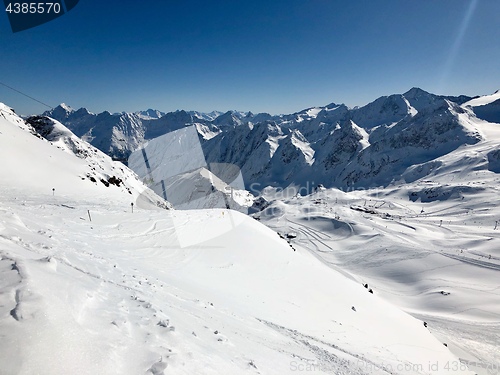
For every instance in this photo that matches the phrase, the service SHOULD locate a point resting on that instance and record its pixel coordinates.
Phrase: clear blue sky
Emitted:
(276, 56)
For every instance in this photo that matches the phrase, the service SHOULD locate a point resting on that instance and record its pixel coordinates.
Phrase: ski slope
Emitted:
(429, 243)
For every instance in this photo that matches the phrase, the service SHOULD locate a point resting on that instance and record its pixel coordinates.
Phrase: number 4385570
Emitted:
(33, 8)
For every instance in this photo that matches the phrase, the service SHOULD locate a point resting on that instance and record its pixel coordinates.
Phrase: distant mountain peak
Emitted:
(230, 118)
(416, 92)
(65, 107)
(150, 114)
(82, 111)
(333, 105)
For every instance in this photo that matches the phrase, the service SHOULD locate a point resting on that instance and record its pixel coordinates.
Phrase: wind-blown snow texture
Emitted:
(88, 287)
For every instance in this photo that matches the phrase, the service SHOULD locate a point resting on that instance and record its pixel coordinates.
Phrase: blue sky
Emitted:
(276, 56)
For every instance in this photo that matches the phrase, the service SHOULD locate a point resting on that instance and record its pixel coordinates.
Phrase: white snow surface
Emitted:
(483, 100)
(88, 287)
(313, 112)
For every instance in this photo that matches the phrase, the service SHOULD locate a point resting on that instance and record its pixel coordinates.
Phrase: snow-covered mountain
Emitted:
(119, 134)
(331, 145)
(62, 164)
(114, 134)
(362, 147)
(150, 114)
(89, 287)
(206, 116)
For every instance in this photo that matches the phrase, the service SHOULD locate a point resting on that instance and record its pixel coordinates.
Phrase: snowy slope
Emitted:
(62, 164)
(437, 260)
(483, 100)
(163, 291)
(429, 243)
(486, 107)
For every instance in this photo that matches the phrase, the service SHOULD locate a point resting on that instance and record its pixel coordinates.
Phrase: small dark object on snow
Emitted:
(366, 286)
(353, 308)
(115, 180)
(216, 332)
(370, 291)
(445, 344)
(425, 324)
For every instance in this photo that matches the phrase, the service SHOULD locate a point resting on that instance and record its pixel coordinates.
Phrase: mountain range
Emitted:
(333, 145)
